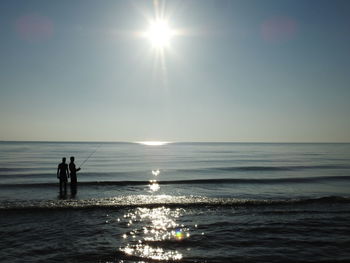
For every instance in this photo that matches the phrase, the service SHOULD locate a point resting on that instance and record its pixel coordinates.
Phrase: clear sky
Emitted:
(247, 70)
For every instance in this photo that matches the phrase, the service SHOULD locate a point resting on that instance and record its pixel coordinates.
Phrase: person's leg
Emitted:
(65, 187)
(61, 186)
(73, 186)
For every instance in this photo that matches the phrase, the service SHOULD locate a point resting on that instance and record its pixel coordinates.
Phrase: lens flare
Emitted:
(179, 234)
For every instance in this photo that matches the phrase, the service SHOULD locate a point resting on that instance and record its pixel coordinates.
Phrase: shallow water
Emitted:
(186, 202)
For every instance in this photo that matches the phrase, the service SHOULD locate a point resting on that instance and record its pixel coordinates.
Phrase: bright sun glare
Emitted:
(159, 33)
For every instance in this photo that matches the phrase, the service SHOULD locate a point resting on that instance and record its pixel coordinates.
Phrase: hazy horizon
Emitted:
(220, 71)
(179, 142)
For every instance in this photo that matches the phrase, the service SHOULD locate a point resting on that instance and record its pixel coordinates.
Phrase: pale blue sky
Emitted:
(249, 70)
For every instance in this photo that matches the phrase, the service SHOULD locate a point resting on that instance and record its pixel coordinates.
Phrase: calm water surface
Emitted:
(184, 202)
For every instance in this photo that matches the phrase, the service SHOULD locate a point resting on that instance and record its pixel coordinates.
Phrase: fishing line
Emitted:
(90, 155)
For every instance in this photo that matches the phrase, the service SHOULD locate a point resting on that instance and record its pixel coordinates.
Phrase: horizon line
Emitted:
(171, 142)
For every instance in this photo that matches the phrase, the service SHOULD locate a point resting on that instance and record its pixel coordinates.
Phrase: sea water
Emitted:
(183, 202)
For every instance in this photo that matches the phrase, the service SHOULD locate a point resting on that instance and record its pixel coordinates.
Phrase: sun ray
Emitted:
(160, 33)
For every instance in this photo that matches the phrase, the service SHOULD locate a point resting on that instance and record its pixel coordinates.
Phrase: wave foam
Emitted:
(161, 200)
(311, 179)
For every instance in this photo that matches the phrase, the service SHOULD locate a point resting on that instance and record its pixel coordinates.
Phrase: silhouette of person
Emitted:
(73, 176)
(63, 174)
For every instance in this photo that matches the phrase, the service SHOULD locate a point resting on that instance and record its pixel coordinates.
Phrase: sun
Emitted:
(159, 33)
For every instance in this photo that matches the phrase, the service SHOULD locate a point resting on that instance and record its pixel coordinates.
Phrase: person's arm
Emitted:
(58, 170)
(67, 171)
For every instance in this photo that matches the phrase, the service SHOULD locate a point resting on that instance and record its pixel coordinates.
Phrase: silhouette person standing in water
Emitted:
(73, 176)
(63, 175)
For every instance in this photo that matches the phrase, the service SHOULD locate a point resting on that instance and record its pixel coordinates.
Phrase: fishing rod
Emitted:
(90, 156)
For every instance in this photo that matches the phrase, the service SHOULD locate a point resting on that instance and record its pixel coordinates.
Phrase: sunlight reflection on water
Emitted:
(154, 186)
(152, 225)
(155, 172)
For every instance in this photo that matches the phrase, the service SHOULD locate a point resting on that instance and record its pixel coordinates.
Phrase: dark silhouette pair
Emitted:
(63, 174)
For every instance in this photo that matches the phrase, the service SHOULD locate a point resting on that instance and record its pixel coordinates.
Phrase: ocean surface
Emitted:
(178, 202)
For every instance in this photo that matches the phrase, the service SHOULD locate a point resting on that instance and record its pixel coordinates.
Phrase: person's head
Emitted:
(72, 159)
(63, 159)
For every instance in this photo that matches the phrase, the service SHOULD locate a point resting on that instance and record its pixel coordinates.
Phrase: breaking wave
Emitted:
(162, 200)
(312, 179)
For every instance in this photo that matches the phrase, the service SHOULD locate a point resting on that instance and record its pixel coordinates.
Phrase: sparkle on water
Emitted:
(153, 225)
(154, 186)
(155, 172)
